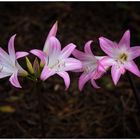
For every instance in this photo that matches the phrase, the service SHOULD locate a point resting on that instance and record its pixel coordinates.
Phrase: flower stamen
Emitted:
(123, 57)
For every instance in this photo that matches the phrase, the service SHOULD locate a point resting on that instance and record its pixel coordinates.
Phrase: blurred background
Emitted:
(108, 112)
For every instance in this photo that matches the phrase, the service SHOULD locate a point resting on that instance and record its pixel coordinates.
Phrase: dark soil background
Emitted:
(109, 112)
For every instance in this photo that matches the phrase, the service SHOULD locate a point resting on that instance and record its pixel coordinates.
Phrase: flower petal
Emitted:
(96, 74)
(53, 30)
(100, 67)
(125, 40)
(4, 56)
(4, 74)
(21, 71)
(21, 54)
(14, 80)
(87, 47)
(116, 73)
(66, 78)
(46, 73)
(78, 54)
(132, 67)
(67, 50)
(107, 45)
(52, 46)
(135, 52)
(94, 83)
(11, 48)
(72, 64)
(40, 54)
(82, 56)
(82, 80)
(106, 62)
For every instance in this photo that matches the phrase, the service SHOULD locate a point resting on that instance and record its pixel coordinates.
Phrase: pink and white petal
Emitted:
(107, 46)
(14, 80)
(87, 47)
(116, 74)
(78, 54)
(71, 64)
(11, 48)
(100, 67)
(52, 46)
(67, 50)
(4, 74)
(40, 54)
(66, 78)
(21, 71)
(135, 52)
(106, 62)
(94, 83)
(96, 74)
(125, 40)
(132, 67)
(83, 80)
(46, 73)
(53, 30)
(82, 56)
(78, 70)
(4, 57)
(21, 54)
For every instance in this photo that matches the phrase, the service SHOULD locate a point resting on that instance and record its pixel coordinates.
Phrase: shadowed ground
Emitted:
(109, 112)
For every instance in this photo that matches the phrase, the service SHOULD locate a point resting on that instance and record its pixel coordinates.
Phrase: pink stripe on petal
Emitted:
(40, 54)
(78, 54)
(107, 45)
(132, 67)
(116, 74)
(11, 48)
(46, 73)
(66, 78)
(100, 67)
(21, 54)
(94, 83)
(14, 80)
(125, 40)
(96, 74)
(87, 47)
(82, 56)
(135, 52)
(52, 46)
(67, 50)
(53, 30)
(83, 80)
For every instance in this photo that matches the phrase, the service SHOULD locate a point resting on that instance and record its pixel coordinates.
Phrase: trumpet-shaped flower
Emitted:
(120, 56)
(91, 67)
(9, 65)
(55, 60)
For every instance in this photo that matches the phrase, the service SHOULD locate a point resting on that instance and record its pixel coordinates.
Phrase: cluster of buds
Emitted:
(54, 60)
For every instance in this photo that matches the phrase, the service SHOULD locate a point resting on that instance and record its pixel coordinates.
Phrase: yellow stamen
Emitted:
(123, 57)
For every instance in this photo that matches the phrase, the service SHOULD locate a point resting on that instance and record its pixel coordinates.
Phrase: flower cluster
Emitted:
(54, 60)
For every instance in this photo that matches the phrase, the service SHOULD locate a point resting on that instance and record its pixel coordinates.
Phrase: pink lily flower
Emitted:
(55, 60)
(9, 65)
(91, 67)
(120, 56)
